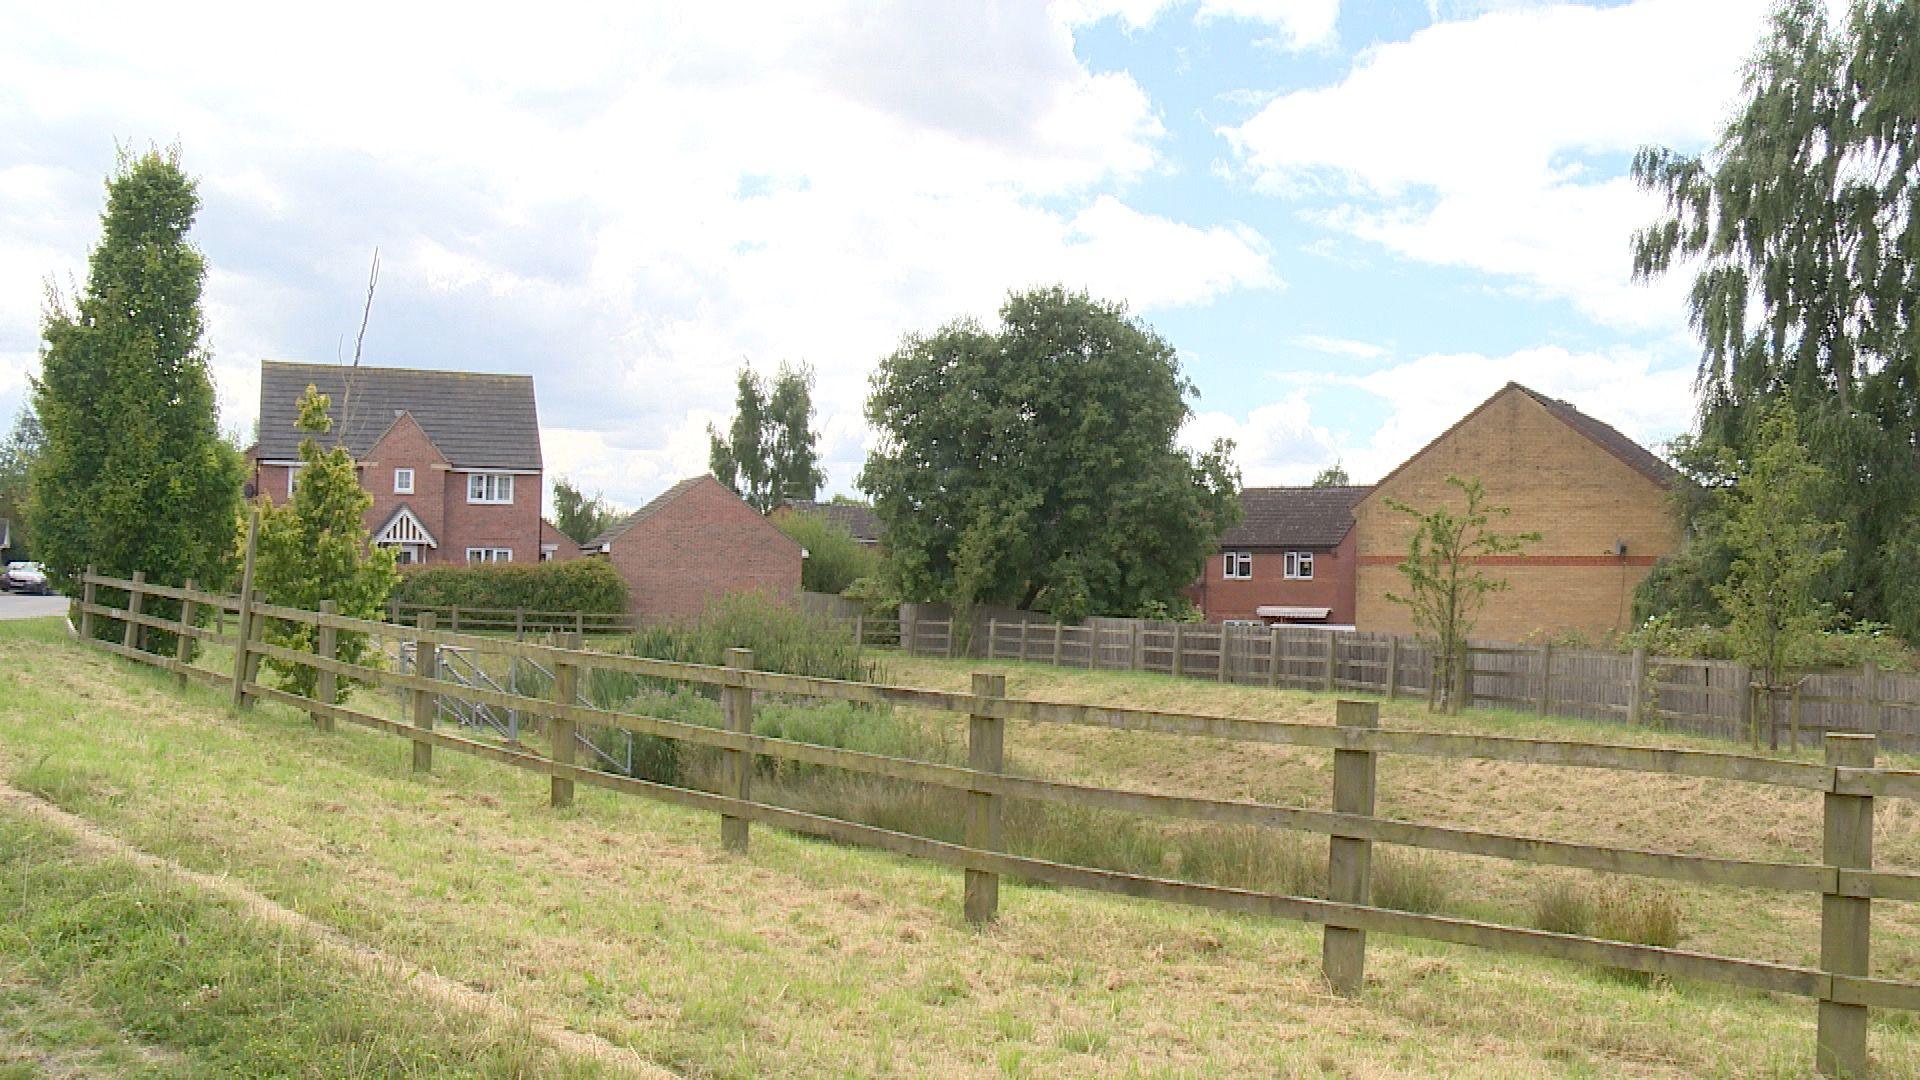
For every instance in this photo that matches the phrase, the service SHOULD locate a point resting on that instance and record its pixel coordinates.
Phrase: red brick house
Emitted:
(451, 458)
(1289, 561)
(692, 545)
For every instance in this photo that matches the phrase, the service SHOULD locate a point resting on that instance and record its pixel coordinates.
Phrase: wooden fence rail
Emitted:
(1701, 697)
(518, 621)
(1849, 782)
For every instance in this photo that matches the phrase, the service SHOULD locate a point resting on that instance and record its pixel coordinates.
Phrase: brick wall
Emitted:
(1332, 585)
(698, 547)
(1580, 498)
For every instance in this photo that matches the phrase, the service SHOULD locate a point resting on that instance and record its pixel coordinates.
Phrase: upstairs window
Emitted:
(1237, 565)
(1299, 566)
(403, 481)
(486, 487)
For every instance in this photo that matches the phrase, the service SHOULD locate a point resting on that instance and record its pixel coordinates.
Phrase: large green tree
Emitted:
(1800, 224)
(579, 516)
(769, 454)
(134, 474)
(835, 559)
(1036, 464)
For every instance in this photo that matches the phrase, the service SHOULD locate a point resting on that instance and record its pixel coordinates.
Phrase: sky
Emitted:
(1354, 221)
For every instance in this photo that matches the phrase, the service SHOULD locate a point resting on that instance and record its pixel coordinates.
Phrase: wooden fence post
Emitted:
(1056, 643)
(1845, 921)
(426, 665)
(327, 683)
(561, 732)
(1872, 716)
(87, 600)
(1546, 678)
(860, 629)
(1333, 644)
(133, 635)
(182, 640)
(1273, 656)
(1393, 667)
(1463, 677)
(1743, 702)
(1136, 648)
(986, 748)
(1179, 648)
(737, 777)
(1343, 951)
(453, 619)
(993, 638)
(519, 624)
(1226, 648)
(1637, 688)
(243, 625)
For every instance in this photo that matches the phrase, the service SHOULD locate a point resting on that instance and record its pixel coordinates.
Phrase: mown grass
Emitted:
(107, 967)
(621, 916)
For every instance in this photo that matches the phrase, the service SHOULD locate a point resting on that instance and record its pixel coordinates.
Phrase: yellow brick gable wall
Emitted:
(1558, 483)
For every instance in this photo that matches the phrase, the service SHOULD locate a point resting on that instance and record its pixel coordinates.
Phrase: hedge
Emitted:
(589, 585)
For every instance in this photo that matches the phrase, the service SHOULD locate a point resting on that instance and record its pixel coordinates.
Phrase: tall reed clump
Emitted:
(1617, 911)
(783, 639)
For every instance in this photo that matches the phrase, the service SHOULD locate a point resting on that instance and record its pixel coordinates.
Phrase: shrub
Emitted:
(589, 585)
(835, 559)
(783, 639)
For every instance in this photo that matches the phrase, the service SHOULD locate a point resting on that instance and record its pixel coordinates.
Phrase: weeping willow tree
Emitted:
(1800, 226)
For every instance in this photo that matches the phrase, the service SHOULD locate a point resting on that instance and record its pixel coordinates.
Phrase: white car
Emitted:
(25, 577)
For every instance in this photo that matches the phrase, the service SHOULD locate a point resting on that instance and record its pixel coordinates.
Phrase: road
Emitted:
(17, 606)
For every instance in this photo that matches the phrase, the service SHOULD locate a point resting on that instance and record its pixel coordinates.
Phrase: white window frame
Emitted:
(293, 478)
(1237, 566)
(494, 488)
(1299, 566)
(403, 486)
(478, 555)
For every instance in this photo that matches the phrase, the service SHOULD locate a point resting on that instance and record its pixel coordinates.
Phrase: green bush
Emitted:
(783, 639)
(835, 559)
(589, 585)
(1860, 643)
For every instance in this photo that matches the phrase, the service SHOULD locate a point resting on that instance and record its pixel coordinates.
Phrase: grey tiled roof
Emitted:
(1314, 517)
(477, 420)
(857, 518)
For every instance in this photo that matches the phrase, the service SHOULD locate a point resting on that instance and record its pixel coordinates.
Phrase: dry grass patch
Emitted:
(622, 918)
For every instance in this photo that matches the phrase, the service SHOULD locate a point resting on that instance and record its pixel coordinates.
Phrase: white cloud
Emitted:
(1277, 443)
(1646, 393)
(1304, 23)
(1342, 347)
(625, 201)
(1496, 144)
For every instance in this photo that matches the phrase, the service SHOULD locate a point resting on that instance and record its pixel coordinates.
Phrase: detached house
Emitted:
(451, 458)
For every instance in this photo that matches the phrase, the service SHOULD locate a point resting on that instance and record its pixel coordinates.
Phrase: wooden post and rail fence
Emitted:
(1850, 783)
(1716, 698)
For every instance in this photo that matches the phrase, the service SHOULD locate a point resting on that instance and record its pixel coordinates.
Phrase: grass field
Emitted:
(622, 919)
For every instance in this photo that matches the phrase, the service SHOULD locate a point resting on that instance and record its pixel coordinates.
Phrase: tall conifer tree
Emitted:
(134, 474)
